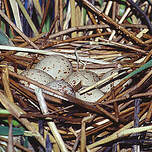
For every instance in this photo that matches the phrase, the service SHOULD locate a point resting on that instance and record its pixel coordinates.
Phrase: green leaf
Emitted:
(122, 11)
(122, 8)
(143, 67)
(15, 123)
(129, 20)
(4, 39)
(4, 111)
(84, 15)
(15, 131)
(101, 3)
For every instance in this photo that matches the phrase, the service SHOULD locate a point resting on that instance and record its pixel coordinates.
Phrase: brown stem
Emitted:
(110, 21)
(44, 15)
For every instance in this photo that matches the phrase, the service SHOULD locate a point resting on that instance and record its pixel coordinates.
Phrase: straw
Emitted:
(134, 130)
(121, 21)
(27, 17)
(16, 14)
(56, 14)
(51, 124)
(115, 135)
(73, 14)
(38, 7)
(17, 30)
(16, 112)
(98, 83)
(48, 52)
